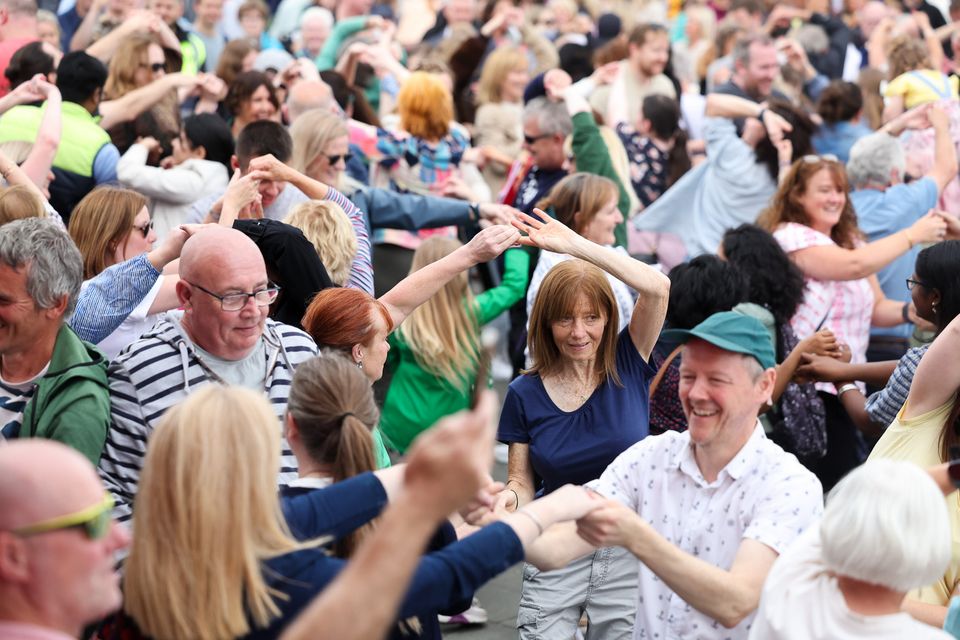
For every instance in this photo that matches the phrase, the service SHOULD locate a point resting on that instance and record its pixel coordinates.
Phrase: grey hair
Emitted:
(317, 13)
(551, 117)
(886, 523)
(741, 50)
(873, 158)
(54, 265)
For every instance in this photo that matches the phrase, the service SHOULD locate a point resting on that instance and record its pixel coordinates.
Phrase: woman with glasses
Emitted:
(198, 167)
(140, 62)
(321, 150)
(112, 225)
(813, 220)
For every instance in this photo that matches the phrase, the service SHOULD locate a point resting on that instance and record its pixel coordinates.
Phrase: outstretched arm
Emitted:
(421, 285)
(937, 378)
(652, 286)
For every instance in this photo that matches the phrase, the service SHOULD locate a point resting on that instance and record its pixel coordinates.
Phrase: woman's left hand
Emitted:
(545, 233)
(491, 242)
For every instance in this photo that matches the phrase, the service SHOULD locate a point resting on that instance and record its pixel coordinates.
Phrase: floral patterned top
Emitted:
(648, 164)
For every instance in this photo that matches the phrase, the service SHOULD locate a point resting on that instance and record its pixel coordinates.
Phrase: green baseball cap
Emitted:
(731, 331)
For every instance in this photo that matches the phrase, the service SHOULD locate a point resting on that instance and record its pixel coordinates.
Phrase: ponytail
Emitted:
(354, 450)
(678, 160)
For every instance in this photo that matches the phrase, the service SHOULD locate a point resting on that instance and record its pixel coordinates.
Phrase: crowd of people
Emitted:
(250, 251)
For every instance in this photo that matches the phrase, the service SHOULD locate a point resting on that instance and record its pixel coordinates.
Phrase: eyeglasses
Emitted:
(156, 67)
(94, 520)
(532, 139)
(911, 283)
(145, 229)
(237, 301)
(814, 159)
(347, 157)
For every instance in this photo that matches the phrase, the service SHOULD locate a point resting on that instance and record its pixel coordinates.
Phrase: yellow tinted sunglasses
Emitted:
(94, 520)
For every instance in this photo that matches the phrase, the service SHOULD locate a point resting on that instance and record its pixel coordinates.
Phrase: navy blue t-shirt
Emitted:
(575, 447)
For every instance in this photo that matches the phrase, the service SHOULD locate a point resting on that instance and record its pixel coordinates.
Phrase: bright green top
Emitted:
(380, 451)
(417, 398)
(592, 156)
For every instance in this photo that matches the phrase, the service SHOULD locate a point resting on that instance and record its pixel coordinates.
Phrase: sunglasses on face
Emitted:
(346, 157)
(145, 229)
(532, 139)
(94, 521)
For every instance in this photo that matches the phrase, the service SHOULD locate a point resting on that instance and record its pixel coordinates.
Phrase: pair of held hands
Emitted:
(448, 469)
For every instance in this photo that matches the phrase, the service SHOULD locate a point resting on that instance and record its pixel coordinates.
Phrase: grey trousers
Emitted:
(602, 585)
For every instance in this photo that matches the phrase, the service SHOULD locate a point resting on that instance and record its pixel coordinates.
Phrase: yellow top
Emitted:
(922, 86)
(917, 440)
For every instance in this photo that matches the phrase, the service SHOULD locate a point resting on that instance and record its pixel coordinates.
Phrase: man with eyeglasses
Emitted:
(53, 385)
(57, 543)
(222, 337)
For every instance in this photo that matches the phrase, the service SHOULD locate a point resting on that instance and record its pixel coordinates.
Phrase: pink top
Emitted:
(24, 631)
(843, 306)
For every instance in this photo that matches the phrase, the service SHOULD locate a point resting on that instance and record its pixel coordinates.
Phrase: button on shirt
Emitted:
(763, 494)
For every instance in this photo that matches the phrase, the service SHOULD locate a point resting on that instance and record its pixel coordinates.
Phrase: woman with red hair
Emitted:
(356, 323)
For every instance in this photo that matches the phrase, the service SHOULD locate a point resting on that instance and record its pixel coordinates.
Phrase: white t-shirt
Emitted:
(135, 325)
(802, 601)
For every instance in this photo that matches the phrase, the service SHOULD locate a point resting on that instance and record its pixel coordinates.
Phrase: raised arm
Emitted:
(40, 160)
(832, 262)
(652, 286)
(421, 285)
(132, 104)
(937, 377)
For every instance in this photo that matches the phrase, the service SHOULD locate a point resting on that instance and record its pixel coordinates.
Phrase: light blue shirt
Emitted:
(836, 139)
(883, 213)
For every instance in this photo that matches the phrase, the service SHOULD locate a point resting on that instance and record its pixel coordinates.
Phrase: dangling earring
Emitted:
(933, 306)
(360, 365)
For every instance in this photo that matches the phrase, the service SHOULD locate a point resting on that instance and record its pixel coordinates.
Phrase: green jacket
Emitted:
(592, 157)
(71, 403)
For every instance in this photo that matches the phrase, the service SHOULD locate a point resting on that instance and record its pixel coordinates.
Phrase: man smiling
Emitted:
(706, 511)
(223, 337)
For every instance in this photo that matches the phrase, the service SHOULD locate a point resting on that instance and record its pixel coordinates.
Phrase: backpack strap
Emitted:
(655, 383)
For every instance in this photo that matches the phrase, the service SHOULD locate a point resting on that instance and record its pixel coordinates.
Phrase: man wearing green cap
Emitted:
(706, 511)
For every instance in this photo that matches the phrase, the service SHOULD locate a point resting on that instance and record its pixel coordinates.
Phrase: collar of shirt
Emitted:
(686, 462)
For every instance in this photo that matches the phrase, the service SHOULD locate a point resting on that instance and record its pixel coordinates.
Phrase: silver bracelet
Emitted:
(847, 387)
(534, 519)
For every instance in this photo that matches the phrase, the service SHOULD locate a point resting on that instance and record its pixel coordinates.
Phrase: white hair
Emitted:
(873, 158)
(318, 13)
(886, 523)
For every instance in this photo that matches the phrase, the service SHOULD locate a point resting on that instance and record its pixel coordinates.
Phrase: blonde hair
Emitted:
(124, 64)
(101, 222)
(579, 193)
(17, 150)
(425, 106)
(328, 228)
(501, 62)
(442, 332)
(907, 54)
(311, 134)
(19, 202)
(207, 515)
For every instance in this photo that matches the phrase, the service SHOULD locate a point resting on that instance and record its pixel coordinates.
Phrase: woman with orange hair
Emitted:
(423, 156)
(356, 323)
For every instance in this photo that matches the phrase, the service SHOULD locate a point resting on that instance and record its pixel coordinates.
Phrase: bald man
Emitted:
(223, 336)
(57, 543)
(310, 94)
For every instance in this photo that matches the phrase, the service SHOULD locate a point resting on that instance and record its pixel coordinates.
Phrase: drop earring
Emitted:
(360, 365)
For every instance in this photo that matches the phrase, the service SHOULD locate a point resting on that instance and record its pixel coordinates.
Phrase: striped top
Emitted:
(884, 405)
(161, 369)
